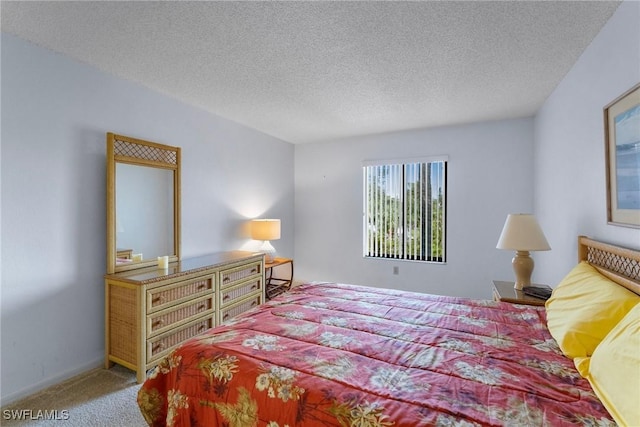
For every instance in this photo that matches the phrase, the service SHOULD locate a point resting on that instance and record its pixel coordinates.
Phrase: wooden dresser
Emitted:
(150, 311)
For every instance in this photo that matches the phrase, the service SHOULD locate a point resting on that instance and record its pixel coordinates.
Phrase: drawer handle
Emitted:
(254, 270)
(158, 346)
(202, 307)
(201, 286)
(226, 279)
(254, 303)
(254, 287)
(202, 328)
(159, 298)
(158, 322)
(226, 316)
(226, 297)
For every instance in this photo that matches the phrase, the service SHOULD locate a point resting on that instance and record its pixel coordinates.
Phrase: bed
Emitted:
(330, 354)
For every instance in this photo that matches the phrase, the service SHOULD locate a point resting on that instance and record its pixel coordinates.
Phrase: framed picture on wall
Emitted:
(622, 153)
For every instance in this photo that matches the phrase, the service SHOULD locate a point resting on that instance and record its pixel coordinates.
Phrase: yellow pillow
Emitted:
(614, 370)
(583, 308)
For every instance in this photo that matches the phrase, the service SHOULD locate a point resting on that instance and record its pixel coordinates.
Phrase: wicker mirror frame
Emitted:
(124, 149)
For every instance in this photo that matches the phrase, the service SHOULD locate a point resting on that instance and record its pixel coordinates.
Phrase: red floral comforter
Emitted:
(343, 355)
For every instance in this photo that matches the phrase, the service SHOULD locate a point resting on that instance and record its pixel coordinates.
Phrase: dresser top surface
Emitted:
(185, 266)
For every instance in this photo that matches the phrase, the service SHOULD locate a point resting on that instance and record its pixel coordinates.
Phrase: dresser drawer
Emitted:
(162, 321)
(230, 312)
(161, 345)
(234, 275)
(231, 294)
(166, 296)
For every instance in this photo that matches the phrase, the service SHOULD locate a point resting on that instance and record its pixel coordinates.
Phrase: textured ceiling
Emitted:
(315, 71)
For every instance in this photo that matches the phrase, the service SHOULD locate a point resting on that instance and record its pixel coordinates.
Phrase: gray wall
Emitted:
(55, 114)
(490, 174)
(570, 186)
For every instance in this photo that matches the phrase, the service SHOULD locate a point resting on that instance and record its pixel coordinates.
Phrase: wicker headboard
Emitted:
(622, 265)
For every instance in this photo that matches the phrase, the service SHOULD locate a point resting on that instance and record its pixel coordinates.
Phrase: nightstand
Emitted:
(275, 286)
(504, 291)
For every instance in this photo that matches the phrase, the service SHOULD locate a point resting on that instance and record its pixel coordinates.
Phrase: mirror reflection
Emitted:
(144, 213)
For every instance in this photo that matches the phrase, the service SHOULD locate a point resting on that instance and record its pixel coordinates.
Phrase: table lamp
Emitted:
(522, 233)
(266, 230)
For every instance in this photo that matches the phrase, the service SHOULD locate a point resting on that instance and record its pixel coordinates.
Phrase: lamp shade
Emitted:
(265, 229)
(521, 232)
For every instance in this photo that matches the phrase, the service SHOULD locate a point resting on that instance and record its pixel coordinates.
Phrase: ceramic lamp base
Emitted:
(522, 267)
(268, 251)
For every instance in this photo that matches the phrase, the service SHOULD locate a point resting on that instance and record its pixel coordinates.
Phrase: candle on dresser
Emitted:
(163, 261)
(136, 257)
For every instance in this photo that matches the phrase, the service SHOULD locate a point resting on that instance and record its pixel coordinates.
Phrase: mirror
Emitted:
(143, 203)
(144, 212)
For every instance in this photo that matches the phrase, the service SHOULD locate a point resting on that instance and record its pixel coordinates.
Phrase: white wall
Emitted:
(490, 175)
(55, 114)
(570, 186)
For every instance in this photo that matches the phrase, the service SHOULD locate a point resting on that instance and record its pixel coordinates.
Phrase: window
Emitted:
(404, 209)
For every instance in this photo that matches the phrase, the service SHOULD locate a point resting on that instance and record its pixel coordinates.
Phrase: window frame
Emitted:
(403, 162)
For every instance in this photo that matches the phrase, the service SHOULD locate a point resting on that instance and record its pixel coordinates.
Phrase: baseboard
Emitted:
(27, 391)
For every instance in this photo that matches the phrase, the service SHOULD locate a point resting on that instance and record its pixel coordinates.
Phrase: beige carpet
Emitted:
(98, 398)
